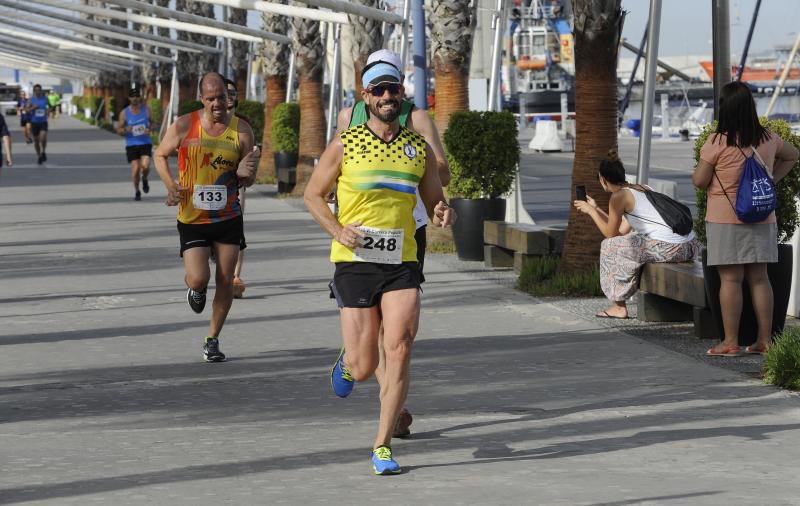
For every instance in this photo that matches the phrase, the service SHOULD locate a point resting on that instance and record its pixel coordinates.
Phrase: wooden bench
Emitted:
(670, 292)
(513, 244)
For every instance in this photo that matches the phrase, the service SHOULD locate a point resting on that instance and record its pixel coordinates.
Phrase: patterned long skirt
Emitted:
(622, 258)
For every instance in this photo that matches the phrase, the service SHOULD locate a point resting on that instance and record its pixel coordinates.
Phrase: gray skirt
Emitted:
(748, 243)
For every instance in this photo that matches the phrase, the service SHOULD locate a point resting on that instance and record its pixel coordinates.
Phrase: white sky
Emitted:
(686, 25)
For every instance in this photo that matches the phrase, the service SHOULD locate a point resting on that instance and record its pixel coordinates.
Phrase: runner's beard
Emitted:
(374, 109)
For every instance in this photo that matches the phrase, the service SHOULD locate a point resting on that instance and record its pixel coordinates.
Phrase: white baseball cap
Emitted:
(387, 56)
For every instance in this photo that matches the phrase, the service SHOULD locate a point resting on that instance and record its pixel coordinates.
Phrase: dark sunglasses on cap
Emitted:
(379, 89)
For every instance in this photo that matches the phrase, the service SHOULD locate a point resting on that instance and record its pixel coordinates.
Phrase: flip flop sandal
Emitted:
(604, 314)
(730, 351)
(756, 351)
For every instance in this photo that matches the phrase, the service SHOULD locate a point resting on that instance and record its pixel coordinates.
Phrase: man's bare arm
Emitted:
(422, 123)
(430, 191)
(7, 149)
(122, 128)
(322, 180)
(246, 172)
(169, 144)
(343, 119)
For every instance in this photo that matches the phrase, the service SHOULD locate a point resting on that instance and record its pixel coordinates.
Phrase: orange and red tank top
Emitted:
(207, 168)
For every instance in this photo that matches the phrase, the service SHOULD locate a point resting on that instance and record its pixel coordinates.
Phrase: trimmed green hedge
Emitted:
(254, 112)
(190, 106)
(483, 153)
(285, 130)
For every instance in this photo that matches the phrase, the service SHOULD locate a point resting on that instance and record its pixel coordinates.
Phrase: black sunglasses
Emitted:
(379, 89)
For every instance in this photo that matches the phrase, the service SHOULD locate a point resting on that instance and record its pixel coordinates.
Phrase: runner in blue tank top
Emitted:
(38, 108)
(134, 124)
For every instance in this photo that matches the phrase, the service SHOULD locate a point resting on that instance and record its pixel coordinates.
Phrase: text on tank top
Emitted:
(39, 114)
(360, 115)
(207, 168)
(139, 124)
(377, 187)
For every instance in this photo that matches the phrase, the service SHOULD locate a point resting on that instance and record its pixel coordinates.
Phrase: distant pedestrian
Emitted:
(740, 250)
(636, 234)
(6, 142)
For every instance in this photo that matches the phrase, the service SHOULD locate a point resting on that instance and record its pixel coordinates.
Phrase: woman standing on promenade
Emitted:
(740, 250)
(636, 234)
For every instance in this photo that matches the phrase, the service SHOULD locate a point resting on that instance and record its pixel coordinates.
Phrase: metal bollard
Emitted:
(523, 116)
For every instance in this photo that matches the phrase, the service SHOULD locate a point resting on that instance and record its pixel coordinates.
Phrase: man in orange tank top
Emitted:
(216, 156)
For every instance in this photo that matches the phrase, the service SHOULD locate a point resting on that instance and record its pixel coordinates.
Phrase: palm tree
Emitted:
(164, 74)
(191, 65)
(309, 59)
(239, 50)
(367, 38)
(276, 70)
(451, 36)
(598, 26)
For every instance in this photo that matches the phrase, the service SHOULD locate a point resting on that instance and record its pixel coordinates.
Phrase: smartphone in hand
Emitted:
(580, 192)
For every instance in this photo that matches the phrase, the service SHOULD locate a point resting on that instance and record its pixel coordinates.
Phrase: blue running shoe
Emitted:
(383, 463)
(341, 380)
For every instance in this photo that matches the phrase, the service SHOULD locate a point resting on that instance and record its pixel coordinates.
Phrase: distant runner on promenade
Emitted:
(233, 103)
(378, 166)
(24, 117)
(134, 124)
(38, 107)
(216, 155)
(5, 145)
(417, 120)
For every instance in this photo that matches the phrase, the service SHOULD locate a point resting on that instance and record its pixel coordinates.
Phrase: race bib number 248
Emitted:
(380, 246)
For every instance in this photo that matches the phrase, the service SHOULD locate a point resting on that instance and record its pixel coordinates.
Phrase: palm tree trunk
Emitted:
(239, 50)
(598, 25)
(309, 60)
(452, 91)
(367, 38)
(276, 70)
(451, 35)
(276, 92)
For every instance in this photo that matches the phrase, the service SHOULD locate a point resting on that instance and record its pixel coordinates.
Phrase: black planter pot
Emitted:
(780, 276)
(468, 229)
(284, 160)
(286, 170)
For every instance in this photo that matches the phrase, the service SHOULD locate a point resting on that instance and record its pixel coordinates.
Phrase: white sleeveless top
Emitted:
(649, 223)
(420, 213)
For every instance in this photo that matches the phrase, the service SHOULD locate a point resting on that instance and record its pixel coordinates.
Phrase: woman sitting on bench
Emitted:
(636, 235)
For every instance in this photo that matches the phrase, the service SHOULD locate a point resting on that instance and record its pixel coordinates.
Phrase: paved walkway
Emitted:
(104, 399)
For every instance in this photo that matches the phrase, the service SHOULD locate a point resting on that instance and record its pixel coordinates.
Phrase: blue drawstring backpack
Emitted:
(756, 197)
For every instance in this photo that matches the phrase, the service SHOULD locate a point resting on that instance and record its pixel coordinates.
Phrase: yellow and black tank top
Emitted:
(207, 168)
(377, 187)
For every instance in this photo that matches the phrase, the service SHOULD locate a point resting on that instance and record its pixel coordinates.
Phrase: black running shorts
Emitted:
(38, 127)
(136, 152)
(23, 120)
(361, 284)
(203, 235)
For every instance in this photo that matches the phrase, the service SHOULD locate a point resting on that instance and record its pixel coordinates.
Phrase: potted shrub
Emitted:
(285, 135)
(780, 273)
(483, 153)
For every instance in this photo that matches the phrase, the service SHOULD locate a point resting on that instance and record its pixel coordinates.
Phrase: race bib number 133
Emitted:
(210, 197)
(380, 246)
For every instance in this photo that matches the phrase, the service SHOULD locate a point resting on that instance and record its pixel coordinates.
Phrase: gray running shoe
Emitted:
(211, 352)
(196, 300)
